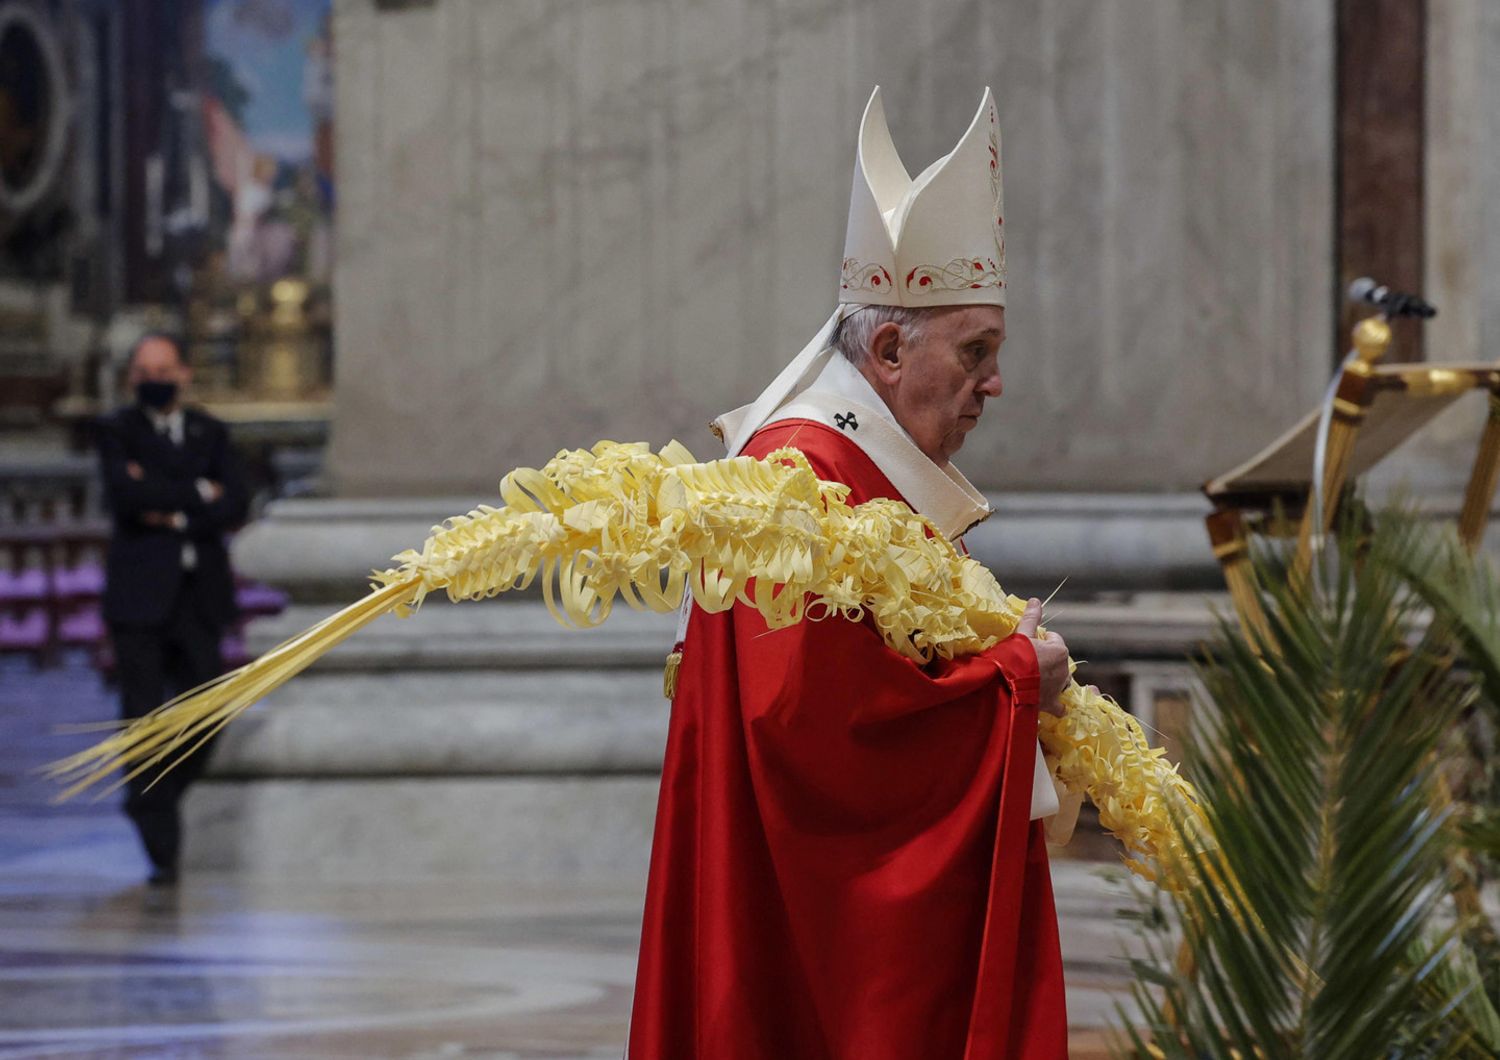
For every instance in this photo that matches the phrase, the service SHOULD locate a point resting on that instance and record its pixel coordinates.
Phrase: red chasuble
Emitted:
(844, 867)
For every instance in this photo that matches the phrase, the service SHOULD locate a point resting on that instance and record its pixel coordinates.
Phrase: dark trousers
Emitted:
(153, 664)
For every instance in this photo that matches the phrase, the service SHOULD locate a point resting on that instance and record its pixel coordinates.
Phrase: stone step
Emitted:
(484, 634)
(322, 548)
(458, 723)
(546, 830)
(561, 830)
(521, 634)
(499, 688)
(484, 739)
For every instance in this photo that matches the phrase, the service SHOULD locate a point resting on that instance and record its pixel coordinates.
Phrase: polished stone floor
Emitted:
(94, 964)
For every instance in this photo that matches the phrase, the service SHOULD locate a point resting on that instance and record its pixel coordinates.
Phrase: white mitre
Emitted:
(937, 240)
(934, 241)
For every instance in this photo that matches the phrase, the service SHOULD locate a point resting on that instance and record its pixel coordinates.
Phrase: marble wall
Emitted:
(564, 220)
(1462, 263)
(1463, 179)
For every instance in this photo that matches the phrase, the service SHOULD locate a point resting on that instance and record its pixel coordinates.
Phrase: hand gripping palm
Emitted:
(621, 521)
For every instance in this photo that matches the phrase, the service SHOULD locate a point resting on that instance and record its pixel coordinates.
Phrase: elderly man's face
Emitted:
(936, 383)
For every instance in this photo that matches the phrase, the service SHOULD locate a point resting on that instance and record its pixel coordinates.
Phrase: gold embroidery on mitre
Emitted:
(957, 275)
(857, 276)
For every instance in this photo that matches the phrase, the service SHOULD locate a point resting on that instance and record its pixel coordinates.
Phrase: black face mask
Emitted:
(155, 395)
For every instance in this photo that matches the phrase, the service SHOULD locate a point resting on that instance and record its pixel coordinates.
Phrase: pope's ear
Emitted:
(886, 351)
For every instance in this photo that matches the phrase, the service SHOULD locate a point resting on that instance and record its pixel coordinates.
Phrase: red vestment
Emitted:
(844, 867)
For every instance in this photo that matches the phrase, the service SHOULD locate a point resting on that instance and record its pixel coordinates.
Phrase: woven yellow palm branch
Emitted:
(621, 522)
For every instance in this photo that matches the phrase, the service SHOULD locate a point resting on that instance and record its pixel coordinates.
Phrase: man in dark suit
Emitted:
(173, 487)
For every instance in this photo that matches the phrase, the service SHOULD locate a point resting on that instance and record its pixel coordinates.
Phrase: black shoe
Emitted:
(163, 876)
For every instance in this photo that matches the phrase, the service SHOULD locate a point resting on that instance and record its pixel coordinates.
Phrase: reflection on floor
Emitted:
(94, 964)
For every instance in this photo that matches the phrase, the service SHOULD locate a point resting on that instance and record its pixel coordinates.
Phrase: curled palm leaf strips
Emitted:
(620, 521)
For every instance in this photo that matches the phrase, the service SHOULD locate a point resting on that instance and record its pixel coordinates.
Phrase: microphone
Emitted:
(1394, 303)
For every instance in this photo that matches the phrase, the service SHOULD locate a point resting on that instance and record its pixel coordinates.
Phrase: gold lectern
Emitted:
(1375, 408)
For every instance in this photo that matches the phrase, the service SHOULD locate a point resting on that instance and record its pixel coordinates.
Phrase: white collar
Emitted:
(168, 423)
(942, 494)
(842, 378)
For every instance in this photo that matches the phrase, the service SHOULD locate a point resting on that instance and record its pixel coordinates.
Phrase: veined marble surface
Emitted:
(560, 222)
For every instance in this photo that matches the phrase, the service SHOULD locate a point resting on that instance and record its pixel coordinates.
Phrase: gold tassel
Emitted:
(669, 675)
(620, 521)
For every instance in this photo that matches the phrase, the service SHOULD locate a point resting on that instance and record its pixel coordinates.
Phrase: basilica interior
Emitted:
(409, 245)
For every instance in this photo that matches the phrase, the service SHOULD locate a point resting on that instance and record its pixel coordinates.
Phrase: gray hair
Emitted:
(852, 337)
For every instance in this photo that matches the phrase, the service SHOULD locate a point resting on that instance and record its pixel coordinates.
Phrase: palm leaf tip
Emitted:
(161, 739)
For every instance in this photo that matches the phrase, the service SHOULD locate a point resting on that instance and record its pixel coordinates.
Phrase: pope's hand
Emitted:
(1051, 657)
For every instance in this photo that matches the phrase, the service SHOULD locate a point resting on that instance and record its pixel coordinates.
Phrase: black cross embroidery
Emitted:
(846, 421)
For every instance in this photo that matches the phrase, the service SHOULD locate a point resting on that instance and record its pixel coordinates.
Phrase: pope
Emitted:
(850, 859)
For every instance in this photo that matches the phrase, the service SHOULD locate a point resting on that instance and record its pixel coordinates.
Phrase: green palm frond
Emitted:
(1460, 981)
(1462, 591)
(1481, 832)
(1314, 934)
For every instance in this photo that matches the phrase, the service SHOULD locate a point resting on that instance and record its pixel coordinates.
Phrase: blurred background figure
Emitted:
(174, 490)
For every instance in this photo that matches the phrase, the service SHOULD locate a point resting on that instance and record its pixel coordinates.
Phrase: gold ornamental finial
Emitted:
(1372, 337)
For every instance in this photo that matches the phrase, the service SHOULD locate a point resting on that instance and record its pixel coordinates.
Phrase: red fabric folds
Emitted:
(844, 867)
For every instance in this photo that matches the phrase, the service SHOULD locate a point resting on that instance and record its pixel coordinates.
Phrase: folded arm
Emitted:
(225, 505)
(131, 492)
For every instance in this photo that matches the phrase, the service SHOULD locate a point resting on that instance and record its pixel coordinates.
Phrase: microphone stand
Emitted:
(1372, 337)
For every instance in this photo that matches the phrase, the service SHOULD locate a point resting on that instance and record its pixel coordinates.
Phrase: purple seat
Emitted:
(83, 626)
(23, 587)
(233, 651)
(83, 582)
(29, 632)
(256, 599)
